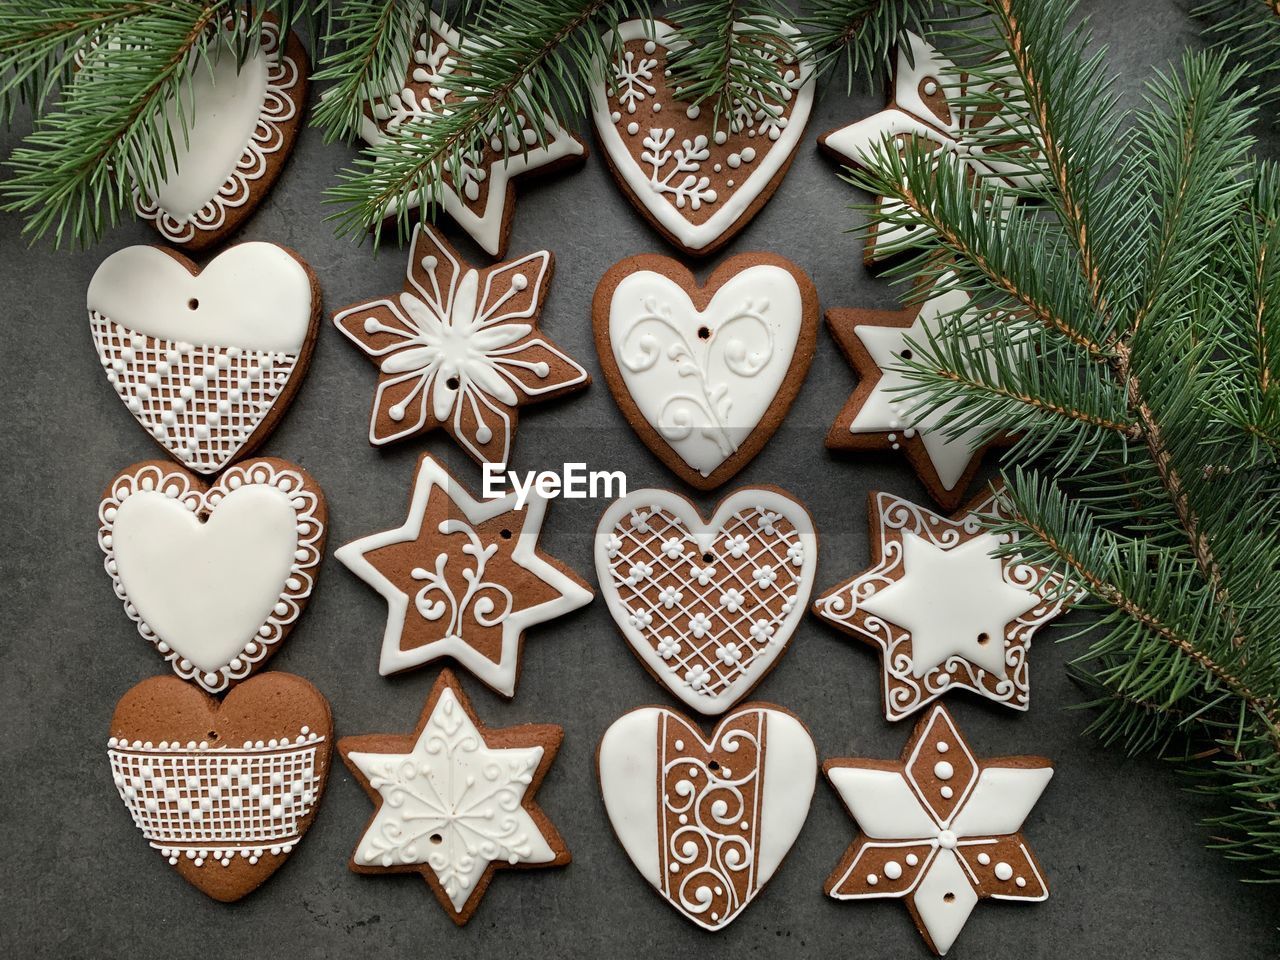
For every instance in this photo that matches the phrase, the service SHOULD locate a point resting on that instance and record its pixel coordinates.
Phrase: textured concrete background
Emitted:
(1118, 838)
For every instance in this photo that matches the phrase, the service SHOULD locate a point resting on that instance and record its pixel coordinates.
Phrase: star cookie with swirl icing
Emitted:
(454, 799)
(944, 612)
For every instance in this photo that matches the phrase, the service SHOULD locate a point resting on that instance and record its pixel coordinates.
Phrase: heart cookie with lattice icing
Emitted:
(214, 576)
(708, 822)
(224, 791)
(205, 360)
(708, 607)
(697, 178)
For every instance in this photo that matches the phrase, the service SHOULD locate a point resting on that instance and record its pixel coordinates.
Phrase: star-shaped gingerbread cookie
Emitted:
(940, 828)
(454, 800)
(943, 611)
(929, 106)
(480, 195)
(463, 578)
(878, 416)
(460, 349)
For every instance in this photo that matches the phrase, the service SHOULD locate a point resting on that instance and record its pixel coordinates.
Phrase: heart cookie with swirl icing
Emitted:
(707, 822)
(705, 374)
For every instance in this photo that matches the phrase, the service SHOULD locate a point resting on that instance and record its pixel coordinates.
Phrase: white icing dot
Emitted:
(650, 46)
(947, 793)
(872, 879)
(942, 746)
(693, 111)
(748, 154)
(721, 137)
(984, 859)
(943, 770)
(893, 869)
(912, 859)
(1003, 871)
(1021, 881)
(633, 128)
(657, 107)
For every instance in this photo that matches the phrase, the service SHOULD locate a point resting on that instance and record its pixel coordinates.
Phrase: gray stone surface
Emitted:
(1118, 837)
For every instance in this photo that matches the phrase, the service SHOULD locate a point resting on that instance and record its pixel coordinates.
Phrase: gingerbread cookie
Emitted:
(224, 791)
(480, 196)
(454, 799)
(940, 828)
(463, 578)
(233, 123)
(878, 416)
(705, 374)
(460, 349)
(707, 606)
(697, 182)
(945, 613)
(206, 360)
(929, 107)
(707, 822)
(215, 576)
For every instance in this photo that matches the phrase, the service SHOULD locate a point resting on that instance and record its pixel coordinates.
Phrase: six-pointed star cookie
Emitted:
(463, 578)
(460, 348)
(943, 611)
(455, 800)
(879, 417)
(928, 106)
(479, 195)
(939, 828)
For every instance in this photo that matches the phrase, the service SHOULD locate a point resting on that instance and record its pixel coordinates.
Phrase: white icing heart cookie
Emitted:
(215, 577)
(708, 607)
(205, 360)
(707, 822)
(705, 374)
(699, 184)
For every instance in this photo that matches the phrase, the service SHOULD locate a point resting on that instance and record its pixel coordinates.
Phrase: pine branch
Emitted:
(860, 34)
(1249, 31)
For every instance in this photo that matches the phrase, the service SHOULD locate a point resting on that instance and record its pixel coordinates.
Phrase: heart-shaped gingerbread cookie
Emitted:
(223, 790)
(708, 607)
(214, 576)
(205, 360)
(698, 182)
(705, 374)
(707, 822)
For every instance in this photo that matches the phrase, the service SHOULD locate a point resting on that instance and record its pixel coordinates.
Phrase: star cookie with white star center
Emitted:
(460, 348)
(463, 578)
(454, 799)
(940, 829)
(944, 612)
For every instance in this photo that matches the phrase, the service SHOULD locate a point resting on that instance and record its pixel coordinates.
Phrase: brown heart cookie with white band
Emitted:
(233, 123)
(705, 373)
(224, 791)
(707, 606)
(215, 576)
(707, 822)
(696, 181)
(206, 360)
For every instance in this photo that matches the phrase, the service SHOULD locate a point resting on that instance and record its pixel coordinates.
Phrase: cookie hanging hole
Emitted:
(984, 639)
(906, 354)
(506, 534)
(704, 333)
(437, 838)
(713, 765)
(193, 304)
(949, 897)
(707, 558)
(453, 383)
(212, 735)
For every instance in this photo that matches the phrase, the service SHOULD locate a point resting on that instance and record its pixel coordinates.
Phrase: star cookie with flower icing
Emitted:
(707, 606)
(944, 613)
(454, 799)
(460, 349)
(877, 416)
(928, 106)
(940, 828)
(479, 195)
(463, 578)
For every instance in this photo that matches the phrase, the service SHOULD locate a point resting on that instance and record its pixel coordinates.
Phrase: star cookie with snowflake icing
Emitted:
(463, 578)
(460, 349)
(479, 195)
(454, 799)
(940, 829)
(928, 106)
(878, 416)
(943, 611)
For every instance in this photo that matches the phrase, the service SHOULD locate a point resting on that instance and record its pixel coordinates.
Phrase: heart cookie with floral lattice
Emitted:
(708, 607)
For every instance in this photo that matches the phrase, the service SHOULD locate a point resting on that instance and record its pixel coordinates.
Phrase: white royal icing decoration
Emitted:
(479, 604)
(707, 836)
(214, 804)
(670, 175)
(707, 606)
(199, 360)
(431, 61)
(453, 803)
(232, 113)
(213, 595)
(704, 379)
